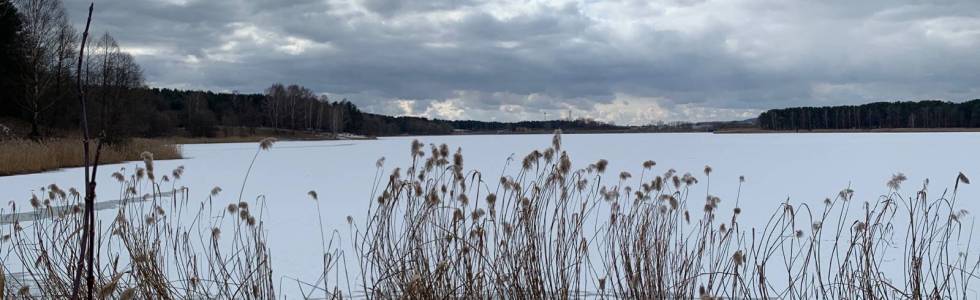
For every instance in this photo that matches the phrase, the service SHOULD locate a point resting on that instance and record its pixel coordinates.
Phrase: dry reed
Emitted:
(24, 156)
(158, 246)
(547, 231)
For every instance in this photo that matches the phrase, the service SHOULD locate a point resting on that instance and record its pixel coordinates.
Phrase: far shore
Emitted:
(257, 138)
(873, 130)
(22, 157)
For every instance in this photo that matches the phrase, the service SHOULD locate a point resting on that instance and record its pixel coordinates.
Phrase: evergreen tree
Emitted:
(11, 58)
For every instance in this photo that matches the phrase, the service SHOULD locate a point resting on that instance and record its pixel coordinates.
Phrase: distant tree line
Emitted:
(921, 114)
(295, 107)
(548, 125)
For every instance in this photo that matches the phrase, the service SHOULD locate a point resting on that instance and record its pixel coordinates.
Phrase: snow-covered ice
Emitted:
(800, 167)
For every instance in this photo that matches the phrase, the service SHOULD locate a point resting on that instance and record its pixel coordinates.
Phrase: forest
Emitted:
(921, 114)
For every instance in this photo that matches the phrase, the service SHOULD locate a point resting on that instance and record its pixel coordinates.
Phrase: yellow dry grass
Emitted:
(24, 156)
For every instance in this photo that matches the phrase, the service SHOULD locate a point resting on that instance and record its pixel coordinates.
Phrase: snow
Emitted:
(799, 167)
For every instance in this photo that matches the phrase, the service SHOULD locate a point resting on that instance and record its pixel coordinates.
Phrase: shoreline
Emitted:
(257, 138)
(178, 141)
(876, 130)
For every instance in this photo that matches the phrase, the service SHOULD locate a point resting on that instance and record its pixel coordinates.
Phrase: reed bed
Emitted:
(540, 229)
(158, 246)
(544, 230)
(25, 156)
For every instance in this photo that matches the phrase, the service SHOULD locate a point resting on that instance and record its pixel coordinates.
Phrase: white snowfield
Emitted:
(804, 168)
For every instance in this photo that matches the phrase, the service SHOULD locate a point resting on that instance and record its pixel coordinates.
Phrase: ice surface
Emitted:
(801, 167)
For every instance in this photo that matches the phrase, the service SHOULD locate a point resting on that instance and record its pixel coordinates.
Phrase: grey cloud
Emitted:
(682, 59)
(392, 7)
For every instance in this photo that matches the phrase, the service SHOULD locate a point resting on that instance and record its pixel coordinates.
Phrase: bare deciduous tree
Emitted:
(44, 34)
(275, 95)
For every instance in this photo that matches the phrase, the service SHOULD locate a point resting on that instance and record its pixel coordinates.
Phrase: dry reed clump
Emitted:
(158, 245)
(546, 231)
(25, 156)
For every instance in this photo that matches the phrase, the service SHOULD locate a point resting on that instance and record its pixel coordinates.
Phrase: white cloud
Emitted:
(447, 109)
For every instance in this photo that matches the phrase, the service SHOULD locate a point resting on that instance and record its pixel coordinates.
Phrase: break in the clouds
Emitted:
(629, 62)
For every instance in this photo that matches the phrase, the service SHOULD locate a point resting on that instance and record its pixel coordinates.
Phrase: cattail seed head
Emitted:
(477, 214)
(549, 154)
(444, 150)
(266, 143)
(689, 179)
(458, 157)
(556, 140)
(416, 148)
(432, 199)
(179, 171)
(457, 215)
(860, 226)
(896, 182)
(600, 166)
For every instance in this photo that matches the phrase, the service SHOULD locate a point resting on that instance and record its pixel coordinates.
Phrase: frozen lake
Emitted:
(800, 167)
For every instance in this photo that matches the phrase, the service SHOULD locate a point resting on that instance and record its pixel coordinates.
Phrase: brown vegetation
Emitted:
(157, 246)
(25, 156)
(548, 231)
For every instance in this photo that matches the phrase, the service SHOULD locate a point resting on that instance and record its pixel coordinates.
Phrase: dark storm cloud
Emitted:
(622, 61)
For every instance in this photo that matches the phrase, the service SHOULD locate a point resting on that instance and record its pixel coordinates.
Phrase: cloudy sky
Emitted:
(629, 62)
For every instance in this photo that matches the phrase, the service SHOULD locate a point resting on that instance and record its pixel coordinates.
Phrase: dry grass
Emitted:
(158, 246)
(24, 156)
(547, 231)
